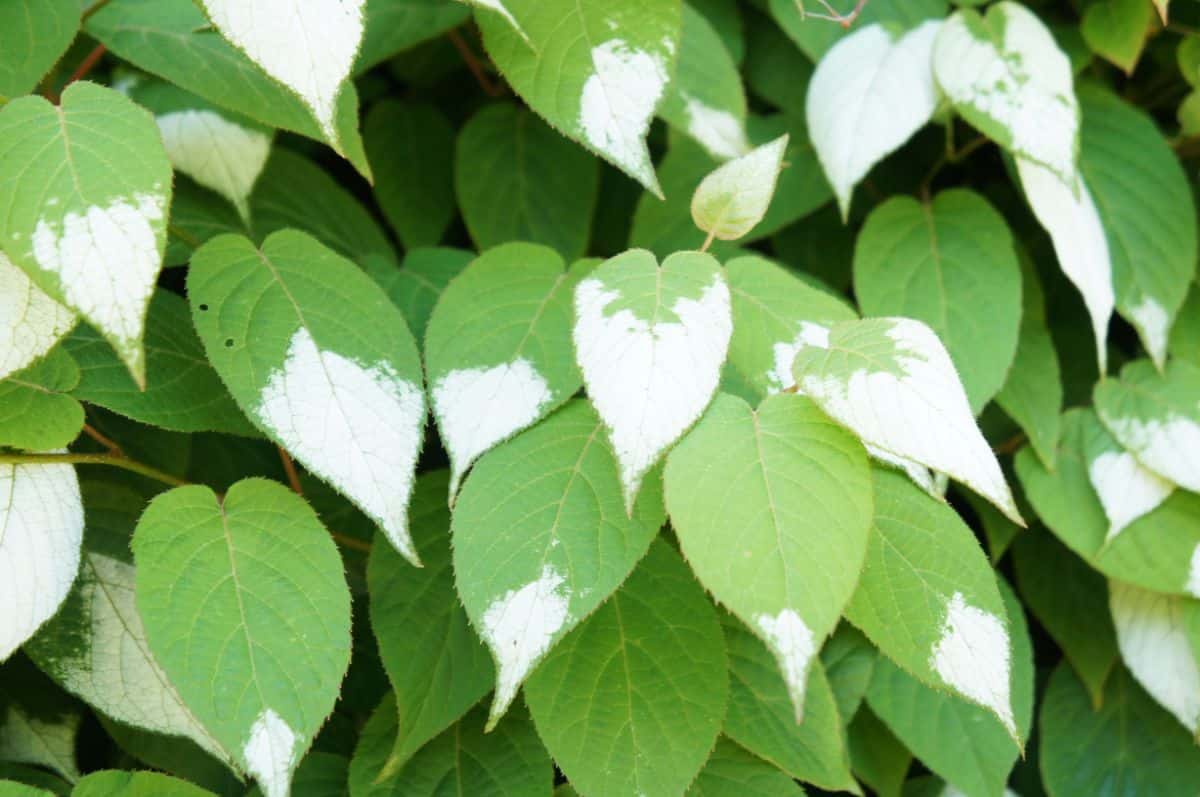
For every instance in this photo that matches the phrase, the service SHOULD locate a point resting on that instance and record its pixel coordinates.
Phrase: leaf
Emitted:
(650, 342)
(416, 286)
(41, 517)
(549, 502)
(762, 719)
(30, 321)
(927, 599)
(34, 34)
(1128, 740)
(879, 759)
(772, 509)
(35, 411)
(1116, 30)
(705, 99)
(1185, 335)
(89, 234)
(775, 69)
(114, 783)
(394, 26)
(732, 199)
(1126, 489)
(891, 382)
(39, 725)
(435, 662)
(870, 93)
(340, 391)
(410, 148)
(174, 40)
(498, 350)
(246, 609)
(1006, 76)
(197, 214)
(517, 179)
(498, 7)
(13, 788)
(1156, 416)
(182, 391)
(1068, 598)
(1147, 210)
(596, 72)
(939, 263)
(815, 37)
(963, 743)
(643, 679)
(733, 772)
(1153, 639)
(849, 659)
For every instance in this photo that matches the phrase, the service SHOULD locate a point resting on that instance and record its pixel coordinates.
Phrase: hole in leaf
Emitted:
(229, 343)
(203, 307)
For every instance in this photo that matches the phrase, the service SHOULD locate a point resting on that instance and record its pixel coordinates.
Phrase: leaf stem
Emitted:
(94, 459)
(473, 64)
(948, 158)
(114, 449)
(289, 467)
(87, 64)
(709, 240)
(350, 542)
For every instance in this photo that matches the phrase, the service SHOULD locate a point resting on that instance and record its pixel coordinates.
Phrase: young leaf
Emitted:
(648, 667)
(34, 34)
(1152, 634)
(30, 321)
(1156, 416)
(41, 515)
(89, 233)
(733, 198)
(246, 609)
(939, 262)
(870, 93)
(321, 361)
(1006, 75)
(436, 664)
(891, 382)
(498, 350)
(790, 492)
(113, 783)
(733, 772)
(1116, 30)
(928, 600)
(650, 342)
(596, 70)
(1126, 489)
(416, 286)
(550, 503)
(36, 414)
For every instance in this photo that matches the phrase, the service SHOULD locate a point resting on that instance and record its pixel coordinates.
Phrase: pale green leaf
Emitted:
(1117, 30)
(733, 772)
(114, 783)
(34, 34)
(411, 148)
(12, 788)
(733, 198)
(36, 412)
(416, 286)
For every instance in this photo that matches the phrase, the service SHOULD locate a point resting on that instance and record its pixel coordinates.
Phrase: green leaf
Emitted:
(246, 609)
(319, 360)
(928, 600)
(176, 755)
(1147, 209)
(34, 34)
(732, 772)
(891, 382)
(182, 392)
(732, 199)
(849, 659)
(878, 757)
(650, 342)
(88, 233)
(410, 147)
(1069, 599)
(762, 719)
(941, 263)
(775, 69)
(643, 679)
(1129, 742)
(375, 743)
(11, 788)
(114, 783)
(416, 286)
(816, 36)
(963, 743)
(772, 508)
(30, 321)
(498, 350)
(1156, 416)
(197, 214)
(435, 662)
(174, 40)
(36, 413)
(39, 725)
(517, 179)
(397, 25)
(596, 71)
(549, 504)
(1117, 29)
(1185, 335)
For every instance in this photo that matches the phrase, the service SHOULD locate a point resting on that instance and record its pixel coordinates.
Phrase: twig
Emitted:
(472, 62)
(1011, 444)
(948, 158)
(845, 20)
(86, 65)
(350, 542)
(289, 468)
(94, 459)
(113, 447)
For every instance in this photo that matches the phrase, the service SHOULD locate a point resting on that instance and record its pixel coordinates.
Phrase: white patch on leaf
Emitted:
(1170, 447)
(650, 381)
(617, 106)
(307, 45)
(920, 475)
(270, 754)
(41, 529)
(1075, 228)
(1153, 326)
(973, 656)
(519, 627)
(30, 321)
(216, 153)
(868, 95)
(1127, 490)
(1192, 587)
(357, 427)
(734, 197)
(811, 334)
(719, 132)
(792, 642)
(1154, 644)
(477, 408)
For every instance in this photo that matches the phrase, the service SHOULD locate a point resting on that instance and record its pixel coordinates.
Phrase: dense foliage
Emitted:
(599, 397)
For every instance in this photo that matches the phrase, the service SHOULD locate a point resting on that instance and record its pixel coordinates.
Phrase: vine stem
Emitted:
(87, 64)
(113, 448)
(473, 64)
(289, 467)
(948, 158)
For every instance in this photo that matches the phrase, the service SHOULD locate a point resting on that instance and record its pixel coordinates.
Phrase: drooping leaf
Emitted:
(410, 147)
(650, 342)
(84, 191)
(116, 783)
(416, 286)
(733, 772)
(246, 609)
(734, 197)
(772, 509)
(34, 34)
(30, 321)
(878, 758)
(498, 350)
(36, 412)
(1116, 30)
(320, 360)
(939, 262)
(643, 679)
